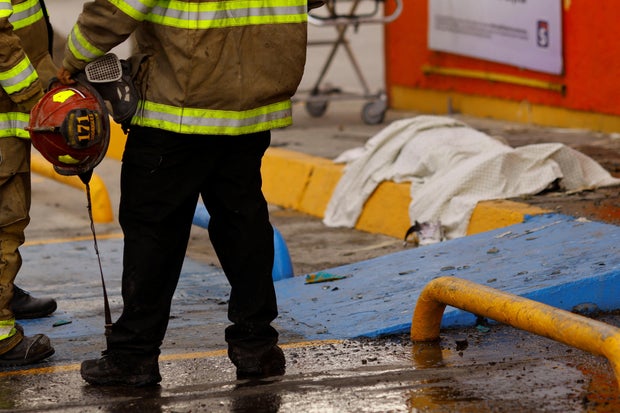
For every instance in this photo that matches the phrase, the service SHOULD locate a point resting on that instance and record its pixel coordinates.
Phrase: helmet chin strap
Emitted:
(85, 178)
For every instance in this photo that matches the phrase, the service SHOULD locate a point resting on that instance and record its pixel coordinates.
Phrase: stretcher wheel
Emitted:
(316, 108)
(373, 113)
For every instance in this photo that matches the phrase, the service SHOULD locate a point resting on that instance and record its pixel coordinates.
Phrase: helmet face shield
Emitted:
(70, 127)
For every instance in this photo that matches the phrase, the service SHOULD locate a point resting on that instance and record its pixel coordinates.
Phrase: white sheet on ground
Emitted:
(451, 167)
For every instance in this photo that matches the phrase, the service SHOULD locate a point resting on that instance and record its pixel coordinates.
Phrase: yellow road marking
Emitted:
(41, 370)
(117, 235)
(166, 357)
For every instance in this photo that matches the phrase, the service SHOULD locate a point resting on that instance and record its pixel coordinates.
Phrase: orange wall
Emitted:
(591, 60)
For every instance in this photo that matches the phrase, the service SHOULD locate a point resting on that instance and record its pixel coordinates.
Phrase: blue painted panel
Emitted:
(69, 272)
(553, 259)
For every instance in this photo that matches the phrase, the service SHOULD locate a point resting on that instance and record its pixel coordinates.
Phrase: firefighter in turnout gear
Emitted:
(25, 67)
(214, 77)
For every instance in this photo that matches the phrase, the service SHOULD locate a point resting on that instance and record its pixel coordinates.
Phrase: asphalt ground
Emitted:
(477, 368)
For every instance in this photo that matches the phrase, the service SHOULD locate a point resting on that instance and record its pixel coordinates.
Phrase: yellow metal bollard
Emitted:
(572, 329)
(101, 205)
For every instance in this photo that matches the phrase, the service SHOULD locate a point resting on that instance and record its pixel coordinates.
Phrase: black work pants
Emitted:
(162, 176)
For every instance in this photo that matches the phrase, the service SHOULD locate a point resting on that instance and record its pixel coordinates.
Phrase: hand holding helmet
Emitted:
(70, 127)
(65, 77)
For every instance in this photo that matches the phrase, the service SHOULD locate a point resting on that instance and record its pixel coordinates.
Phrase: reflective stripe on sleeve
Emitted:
(13, 124)
(6, 9)
(136, 9)
(18, 77)
(81, 48)
(26, 13)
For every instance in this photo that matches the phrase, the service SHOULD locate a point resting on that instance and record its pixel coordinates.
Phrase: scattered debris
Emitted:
(461, 344)
(424, 233)
(586, 309)
(322, 276)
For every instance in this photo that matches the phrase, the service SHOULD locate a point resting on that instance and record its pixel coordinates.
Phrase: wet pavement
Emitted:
(483, 367)
(495, 369)
(492, 368)
(473, 369)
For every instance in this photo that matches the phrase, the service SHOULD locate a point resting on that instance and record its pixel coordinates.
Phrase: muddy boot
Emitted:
(26, 306)
(251, 366)
(28, 351)
(123, 370)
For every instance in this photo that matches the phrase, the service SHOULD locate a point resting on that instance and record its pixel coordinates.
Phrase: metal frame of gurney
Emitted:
(317, 99)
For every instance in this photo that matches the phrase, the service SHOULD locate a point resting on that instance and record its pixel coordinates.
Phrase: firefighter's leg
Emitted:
(242, 237)
(15, 207)
(15, 349)
(156, 211)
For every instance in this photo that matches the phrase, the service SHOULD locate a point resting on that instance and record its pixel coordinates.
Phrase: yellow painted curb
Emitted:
(286, 176)
(117, 141)
(387, 210)
(323, 181)
(490, 215)
(101, 205)
(305, 183)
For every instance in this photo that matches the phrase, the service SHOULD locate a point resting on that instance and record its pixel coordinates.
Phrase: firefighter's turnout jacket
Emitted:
(25, 64)
(208, 66)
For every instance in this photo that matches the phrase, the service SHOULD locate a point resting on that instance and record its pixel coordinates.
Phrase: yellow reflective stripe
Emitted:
(136, 9)
(81, 48)
(213, 122)
(192, 15)
(187, 15)
(13, 124)
(68, 159)
(26, 13)
(18, 77)
(6, 9)
(7, 328)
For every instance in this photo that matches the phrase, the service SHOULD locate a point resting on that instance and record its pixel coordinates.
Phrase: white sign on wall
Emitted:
(522, 33)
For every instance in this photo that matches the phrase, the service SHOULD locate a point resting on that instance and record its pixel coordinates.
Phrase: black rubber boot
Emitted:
(29, 350)
(25, 306)
(121, 370)
(250, 366)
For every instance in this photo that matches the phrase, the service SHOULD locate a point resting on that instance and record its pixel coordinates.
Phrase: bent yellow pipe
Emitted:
(572, 329)
(101, 205)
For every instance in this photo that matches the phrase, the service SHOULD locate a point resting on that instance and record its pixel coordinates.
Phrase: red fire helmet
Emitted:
(70, 127)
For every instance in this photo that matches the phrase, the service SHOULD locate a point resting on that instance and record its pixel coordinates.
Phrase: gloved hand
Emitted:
(65, 77)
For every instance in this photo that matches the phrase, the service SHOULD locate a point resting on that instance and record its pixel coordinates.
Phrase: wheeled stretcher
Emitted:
(318, 97)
